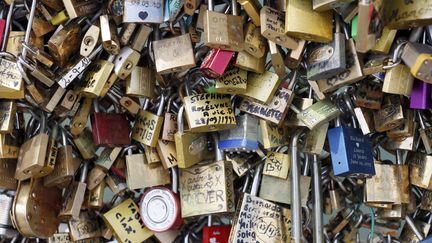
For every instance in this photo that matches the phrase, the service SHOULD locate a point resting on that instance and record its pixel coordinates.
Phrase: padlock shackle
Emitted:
(295, 190)
(29, 26)
(8, 26)
(174, 179)
(256, 179)
(84, 171)
(416, 34)
(180, 122)
(161, 105)
(63, 137)
(317, 200)
(414, 227)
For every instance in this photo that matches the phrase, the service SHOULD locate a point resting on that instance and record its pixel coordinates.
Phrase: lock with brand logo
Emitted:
(160, 207)
(65, 166)
(327, 60)
(223, 31)
(317, 28)
(174, 54)
(191, 147)
(37, 155)
(109, 129)
(148, 126)
(35, 209)
(74, 196)
(244, 137)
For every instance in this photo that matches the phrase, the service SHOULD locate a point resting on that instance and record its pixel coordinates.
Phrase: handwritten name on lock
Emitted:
(277, 165)
(10, 77)
(234, 78)
(261, 221)
(209, 109)
(273, 112)
(124, 220)
(205, 189)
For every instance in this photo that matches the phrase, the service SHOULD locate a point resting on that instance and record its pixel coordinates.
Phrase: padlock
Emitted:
(250, 63)
(395, 15)
(147, 125)
(364, 39)
(95, 177)
(11, 86)
(94, 198)
(89, 40)
(167, 153)
(74, 196)
(384, 42)
(327, 60)
(191, 147)
(96, 77)
(369, 94)
(233, 81)
(406, 129)
(254, 43)
(277, 59)
(317, 28)
(85, 227)
(335, 197)
(35, 209)
(6, 230)
(398, 80)
(208, 112)
(37, 155)
(7, 116)
(420, 95)
(10, 143)
(294, 56)
(425, 134)
(110, 41)
(277, 220)
(85, 145)
(215, 62)
(318, 114)
(139, 40)
(214, 193)
(215, 233)
(243, 138)
(252, 9)
(414, 230)
(351, 151)
(353, 70)
(418, 58)
(223, 31)
(40, 24)
(420, 168)
(273, 28)
(272, 135)
(39, 55)
(174, 54)
(124, 222)
(65, 166)
(143, 12)
(141, 82)
(141, 174)
(315, 139)
(160, 207)
(7, 169)
(262, 87)
(126, 33)
(77, 8)
(43, 75)
(301, 104)
(109, 129)
(170, 121)
(390, 116)
(125, 61)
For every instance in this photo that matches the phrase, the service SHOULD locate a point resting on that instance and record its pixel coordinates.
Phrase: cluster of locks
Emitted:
(200, 121)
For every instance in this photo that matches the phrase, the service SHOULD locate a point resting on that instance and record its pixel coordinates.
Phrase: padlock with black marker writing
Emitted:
(273, 28)
(96, 76)
(233, 81)
(147, 125)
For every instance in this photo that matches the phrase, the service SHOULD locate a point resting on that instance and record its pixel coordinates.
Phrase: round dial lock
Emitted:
(160, 210)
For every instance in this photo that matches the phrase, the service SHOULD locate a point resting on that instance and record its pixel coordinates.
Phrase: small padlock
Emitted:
(109, 129)
(398, 80)
(216, 62)
(74, 196)
(141, 82)
(86, 227)
(395, 16)
(262, 87)
(147, 125)
(110, 41)
(160, 207)
(425, 133)
(85, 145)
(233, 81)
(390, 116)
(89, 40)
(215, 233)
(250, 63)
(318, 114)
(252, 9)
(420, 169)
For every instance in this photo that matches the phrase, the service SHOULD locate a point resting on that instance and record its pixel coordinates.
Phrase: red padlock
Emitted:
(3, 23)
(215, 63)
(160, 207)
(109, 129)
(216, 234)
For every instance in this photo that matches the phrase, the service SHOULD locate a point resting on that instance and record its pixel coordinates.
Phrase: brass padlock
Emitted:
(96, 76)
(248, 62)
(147, 125)
(273, 28)
(77, 8)
(233, 81)
(167, 153)
(262, 87)
(65, 43)
(254, 43)
(272, 135)
(141, 82)
(7, 116)
(110, 41)
(390, 116)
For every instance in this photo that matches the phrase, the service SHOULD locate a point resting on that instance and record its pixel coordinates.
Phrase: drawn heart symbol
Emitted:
(143, 15)
(15, 83)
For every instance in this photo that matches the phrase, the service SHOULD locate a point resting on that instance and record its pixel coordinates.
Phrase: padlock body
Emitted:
(215, 63)
(421, 95)
(147, 128)
(110, 129)
(244, 137)
(216, 234)
(31, 158)
(351, 152)
(326, 60)
(223, 31)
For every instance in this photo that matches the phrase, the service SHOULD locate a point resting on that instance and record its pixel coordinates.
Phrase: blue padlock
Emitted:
(243, 138)
(351, 152)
